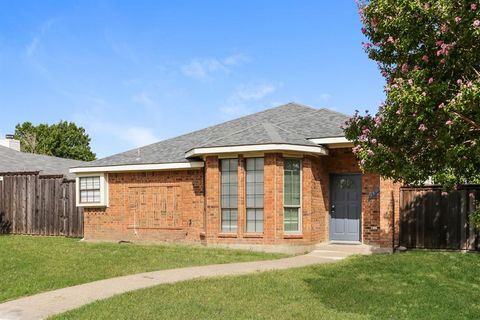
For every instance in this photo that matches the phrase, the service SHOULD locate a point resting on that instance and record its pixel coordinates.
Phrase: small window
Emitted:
(229, 194)
(254, 194)
(292, 196)
(90, 190)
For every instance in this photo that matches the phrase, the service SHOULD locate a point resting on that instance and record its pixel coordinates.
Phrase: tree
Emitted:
(429, 124)
(64, 140)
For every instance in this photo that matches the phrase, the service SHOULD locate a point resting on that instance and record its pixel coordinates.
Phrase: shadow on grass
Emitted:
(412, 285)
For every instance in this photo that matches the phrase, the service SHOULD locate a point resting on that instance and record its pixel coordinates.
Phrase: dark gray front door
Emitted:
(345, 206)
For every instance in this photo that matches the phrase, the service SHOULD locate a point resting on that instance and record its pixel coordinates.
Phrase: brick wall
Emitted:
(189, 209)
(150, 206)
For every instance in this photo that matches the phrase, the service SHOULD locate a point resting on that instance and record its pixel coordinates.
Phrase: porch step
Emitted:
(345, 249)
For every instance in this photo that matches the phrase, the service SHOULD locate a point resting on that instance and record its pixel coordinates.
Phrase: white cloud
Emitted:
(324, 97)
(133, 136)
(144, 99)
(138, 136)
(254, 92)
(240, 101)
(31, 49)
(204, 69)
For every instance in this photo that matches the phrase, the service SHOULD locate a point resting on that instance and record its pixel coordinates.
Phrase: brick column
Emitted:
(212, 197)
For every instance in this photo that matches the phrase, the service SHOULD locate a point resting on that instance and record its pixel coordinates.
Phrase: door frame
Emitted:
(330, 192)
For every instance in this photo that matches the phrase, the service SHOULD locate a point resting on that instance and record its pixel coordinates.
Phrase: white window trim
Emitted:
(300, 213)
(103, 190)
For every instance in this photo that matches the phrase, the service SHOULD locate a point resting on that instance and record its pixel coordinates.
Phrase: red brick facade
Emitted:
(185, 205)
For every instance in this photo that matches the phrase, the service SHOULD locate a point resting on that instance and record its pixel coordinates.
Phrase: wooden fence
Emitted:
(431, 220)
(39, 205)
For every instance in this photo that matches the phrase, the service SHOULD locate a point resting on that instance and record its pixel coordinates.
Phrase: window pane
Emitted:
(292, 182)
(254, 194)
(291, 219)
(250, 164)
(229, 194)
(89, 189)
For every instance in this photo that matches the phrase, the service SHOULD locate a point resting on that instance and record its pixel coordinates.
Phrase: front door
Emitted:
(345, 206)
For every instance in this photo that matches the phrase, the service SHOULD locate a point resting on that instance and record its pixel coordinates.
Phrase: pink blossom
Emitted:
(364, 30)
(374, 141)
(356, 149)
(426, 6)
(444, 193)
(449, 122)
(366, 45)
(370, 153)
(430, 81)
(404, 68)
(473, 7)
(440, 42)
(425, 58)
(443, 28)
(469, 84)
(390, 39)
(362, 162)
(459, 82)
(458, 19)
(399, 111)
(442, 61)
(476, 23)
(410, 81)
(422, 127)
(441, 106)
(471, 195)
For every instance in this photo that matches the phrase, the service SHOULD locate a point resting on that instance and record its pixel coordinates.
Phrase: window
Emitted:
(89, 189)
(229, 197)
(292, 194)
(254, 194)
(92, 190)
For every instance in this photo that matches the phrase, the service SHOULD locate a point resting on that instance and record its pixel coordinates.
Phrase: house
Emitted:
(37, 193)
(281, 177)
(12, 160)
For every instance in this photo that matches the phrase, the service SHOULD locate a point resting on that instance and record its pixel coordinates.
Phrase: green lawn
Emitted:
(415, 285)
(30, 265)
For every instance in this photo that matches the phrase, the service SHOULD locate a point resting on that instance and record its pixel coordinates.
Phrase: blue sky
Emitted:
(136, 72)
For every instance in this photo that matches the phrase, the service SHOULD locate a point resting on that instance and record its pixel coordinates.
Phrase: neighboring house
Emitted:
(12, 160)
(37, 193)
(283, 176)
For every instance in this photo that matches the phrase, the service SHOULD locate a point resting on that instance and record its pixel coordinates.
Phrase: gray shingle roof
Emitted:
(291, 123)
(16, 161)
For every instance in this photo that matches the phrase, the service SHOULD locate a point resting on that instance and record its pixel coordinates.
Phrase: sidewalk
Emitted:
(43, 305)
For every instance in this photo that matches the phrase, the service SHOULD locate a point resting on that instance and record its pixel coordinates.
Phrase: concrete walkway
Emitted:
(43, 305)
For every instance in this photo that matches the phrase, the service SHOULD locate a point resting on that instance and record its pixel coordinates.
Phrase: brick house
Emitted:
(285, 176)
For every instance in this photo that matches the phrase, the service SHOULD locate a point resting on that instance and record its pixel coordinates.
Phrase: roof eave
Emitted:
(203, 151)
(140, 167)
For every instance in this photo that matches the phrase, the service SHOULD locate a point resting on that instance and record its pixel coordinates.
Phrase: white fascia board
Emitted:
(141, 167)
(331, 140)
(256, 148)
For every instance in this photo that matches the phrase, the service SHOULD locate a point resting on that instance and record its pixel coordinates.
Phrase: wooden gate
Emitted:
(39, 205)
(432, 220)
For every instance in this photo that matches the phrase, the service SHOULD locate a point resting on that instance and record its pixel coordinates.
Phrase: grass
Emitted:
(416, 285)
(30, 265)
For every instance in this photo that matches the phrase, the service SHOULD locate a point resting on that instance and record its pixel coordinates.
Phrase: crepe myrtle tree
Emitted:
(429, 123)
